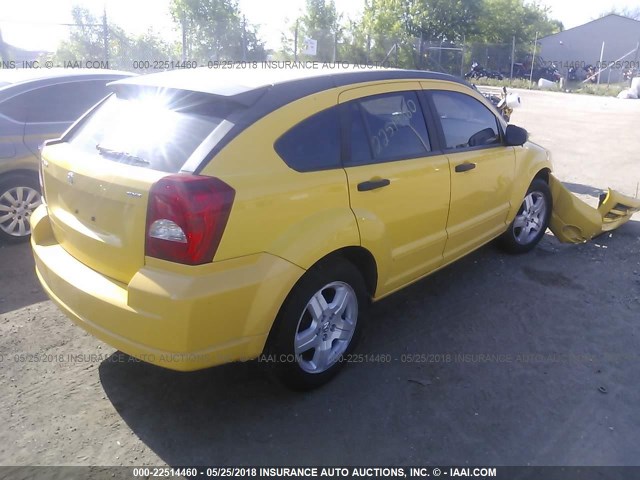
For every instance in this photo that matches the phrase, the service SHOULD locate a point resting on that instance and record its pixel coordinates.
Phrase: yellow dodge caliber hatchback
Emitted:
(201, 217)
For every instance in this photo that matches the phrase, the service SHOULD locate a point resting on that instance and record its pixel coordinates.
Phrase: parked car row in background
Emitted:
(36, 105)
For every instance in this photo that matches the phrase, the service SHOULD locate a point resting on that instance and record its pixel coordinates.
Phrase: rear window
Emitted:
(157, 130)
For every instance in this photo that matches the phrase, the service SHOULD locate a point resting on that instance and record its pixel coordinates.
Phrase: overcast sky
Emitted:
(28, 23)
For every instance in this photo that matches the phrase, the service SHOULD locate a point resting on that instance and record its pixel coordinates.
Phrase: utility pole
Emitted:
(295, 43)
(244, 38)
(464, 43)
(513, 55)
(335, 46)
(105, 34)
(183, 23)
(421, 50)
(533, 60)
(600, 64)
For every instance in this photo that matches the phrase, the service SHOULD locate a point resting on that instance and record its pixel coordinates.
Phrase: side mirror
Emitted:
(515, 136)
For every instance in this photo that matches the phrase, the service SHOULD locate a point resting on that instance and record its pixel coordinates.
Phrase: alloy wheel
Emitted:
(16, 206)
(326, 327)
(530, 219)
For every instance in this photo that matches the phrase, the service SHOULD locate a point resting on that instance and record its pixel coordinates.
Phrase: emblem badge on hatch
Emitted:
(70, 178)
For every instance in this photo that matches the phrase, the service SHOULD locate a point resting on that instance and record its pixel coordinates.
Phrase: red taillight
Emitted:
(186, 216)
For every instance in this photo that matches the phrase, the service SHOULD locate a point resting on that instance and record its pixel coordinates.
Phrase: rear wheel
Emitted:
(318, 325)
(19, 197)
(531, 221)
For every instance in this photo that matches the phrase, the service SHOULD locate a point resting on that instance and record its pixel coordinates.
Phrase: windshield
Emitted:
(152, 129)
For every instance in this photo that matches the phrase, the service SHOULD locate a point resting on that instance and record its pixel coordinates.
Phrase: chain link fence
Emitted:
(99, 45)
(510, 60)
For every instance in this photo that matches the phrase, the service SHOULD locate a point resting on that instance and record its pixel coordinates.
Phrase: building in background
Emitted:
(583, 45)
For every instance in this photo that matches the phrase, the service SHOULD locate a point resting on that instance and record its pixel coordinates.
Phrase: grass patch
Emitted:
(602, 90)
(515, 83)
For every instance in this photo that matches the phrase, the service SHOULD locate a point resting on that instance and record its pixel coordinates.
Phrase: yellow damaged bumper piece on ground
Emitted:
(574, 221)
(180, 322)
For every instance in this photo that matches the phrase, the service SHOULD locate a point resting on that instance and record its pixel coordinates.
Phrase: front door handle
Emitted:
(373, 184)
(465, 167)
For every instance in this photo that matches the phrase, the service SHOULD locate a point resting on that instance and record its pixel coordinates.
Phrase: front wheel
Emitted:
(531, 221)
(318, 325)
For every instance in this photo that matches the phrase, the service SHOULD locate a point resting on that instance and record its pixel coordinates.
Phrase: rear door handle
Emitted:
(373, 184)
(465, 167)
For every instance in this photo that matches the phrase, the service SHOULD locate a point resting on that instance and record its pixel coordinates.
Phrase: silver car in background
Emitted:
(36, 105)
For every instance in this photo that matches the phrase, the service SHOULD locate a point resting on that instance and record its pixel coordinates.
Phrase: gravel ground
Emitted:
(496, 360)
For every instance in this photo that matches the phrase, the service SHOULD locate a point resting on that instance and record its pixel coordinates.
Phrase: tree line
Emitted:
(398, 31)
(401, 31)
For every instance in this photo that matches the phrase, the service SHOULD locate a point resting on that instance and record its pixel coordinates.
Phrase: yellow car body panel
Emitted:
(531, 161)
(302, 216)
(81, 197)
(574, 221)
(404, 224)
(480, 198)
(178, 317)
(375, 88)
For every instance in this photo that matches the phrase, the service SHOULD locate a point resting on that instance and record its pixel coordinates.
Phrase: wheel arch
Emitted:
(358, 256)
(532, 165)
(543, 175)
(20, 172)
(362, 259)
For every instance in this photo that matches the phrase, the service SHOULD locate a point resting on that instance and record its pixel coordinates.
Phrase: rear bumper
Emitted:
(218, 314)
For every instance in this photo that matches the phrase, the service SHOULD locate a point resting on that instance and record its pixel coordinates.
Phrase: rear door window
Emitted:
(387, 127)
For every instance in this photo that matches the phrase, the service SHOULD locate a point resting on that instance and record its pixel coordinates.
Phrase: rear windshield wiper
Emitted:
(127, 157)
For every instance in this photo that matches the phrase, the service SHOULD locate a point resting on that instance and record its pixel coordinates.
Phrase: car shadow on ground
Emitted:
(15, 260)
(423, 395)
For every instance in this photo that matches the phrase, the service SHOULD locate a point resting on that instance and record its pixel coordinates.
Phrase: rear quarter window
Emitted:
(313, 144)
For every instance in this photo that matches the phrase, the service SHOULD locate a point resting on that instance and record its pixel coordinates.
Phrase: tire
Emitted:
(531, 221)
(19, 197)
(293, 346)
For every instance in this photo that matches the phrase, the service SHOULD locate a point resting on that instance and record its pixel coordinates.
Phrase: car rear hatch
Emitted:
(99, 178)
